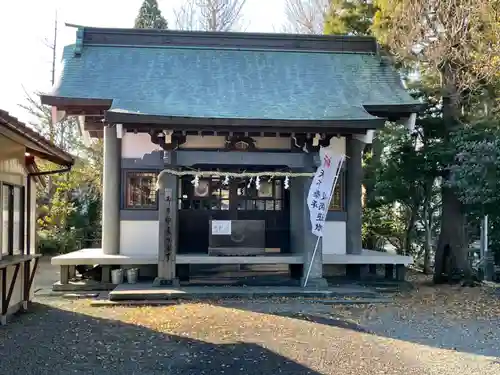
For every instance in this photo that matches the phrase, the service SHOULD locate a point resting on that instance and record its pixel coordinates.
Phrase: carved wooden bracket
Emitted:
(158, 138)
(305, 142)
(240, 143)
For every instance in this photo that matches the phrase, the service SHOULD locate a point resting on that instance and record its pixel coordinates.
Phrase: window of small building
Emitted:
(12, 204)
(6, 223)
(338, 202)
(141, 190)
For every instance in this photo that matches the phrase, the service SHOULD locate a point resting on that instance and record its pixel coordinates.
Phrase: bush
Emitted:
(52, 242)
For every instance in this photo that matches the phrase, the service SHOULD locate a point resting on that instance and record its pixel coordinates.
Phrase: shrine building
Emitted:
(211, 139)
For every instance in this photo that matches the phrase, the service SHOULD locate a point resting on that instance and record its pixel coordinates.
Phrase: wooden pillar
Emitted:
(72, 272)
(111, 191)
(354, 179)
(106, 274)
(389, 271)
(168, 225)
(64, 276)
(400, 272)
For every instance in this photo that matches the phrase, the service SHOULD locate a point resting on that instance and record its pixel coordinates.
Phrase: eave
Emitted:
(394, 112)
(78, 106)
(97, 111)
(239, 124)
(33, 142)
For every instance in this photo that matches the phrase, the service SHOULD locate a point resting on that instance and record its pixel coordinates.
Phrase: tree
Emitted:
(150, 17)
(305, 16)
(209, 15)
(350, 17)
(68, 208)
(456, 41)
(64, 134)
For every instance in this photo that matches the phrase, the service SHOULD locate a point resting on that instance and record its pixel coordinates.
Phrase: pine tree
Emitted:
(150, 17)
(352, 17)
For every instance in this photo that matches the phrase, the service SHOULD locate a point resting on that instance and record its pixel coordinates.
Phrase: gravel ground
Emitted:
(248, 337)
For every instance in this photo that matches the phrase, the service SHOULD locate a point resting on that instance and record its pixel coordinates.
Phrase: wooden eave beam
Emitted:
(84, 111)
(78, 106)
(249, 125)
(394, 112)
(61, 101)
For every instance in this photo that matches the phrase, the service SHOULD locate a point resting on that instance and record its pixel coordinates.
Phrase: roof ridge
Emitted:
(273, 41)
(118, 30)
(78, 50)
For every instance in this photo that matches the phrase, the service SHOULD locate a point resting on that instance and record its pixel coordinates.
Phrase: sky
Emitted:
(27, 27)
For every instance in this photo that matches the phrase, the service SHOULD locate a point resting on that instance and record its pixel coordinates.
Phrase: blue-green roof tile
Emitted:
(231, 83)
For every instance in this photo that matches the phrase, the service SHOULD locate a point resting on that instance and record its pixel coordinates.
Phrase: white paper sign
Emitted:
(221, 227)
(322, 186)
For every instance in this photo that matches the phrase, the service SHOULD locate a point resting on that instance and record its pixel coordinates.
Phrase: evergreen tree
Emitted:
(150, 17)
(456, 42)
(351, 17)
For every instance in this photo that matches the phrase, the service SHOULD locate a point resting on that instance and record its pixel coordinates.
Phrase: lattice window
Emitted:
(240, 194)
(141, 190)
(269, 196)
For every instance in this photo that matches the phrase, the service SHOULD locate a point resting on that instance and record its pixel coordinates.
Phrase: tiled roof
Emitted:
(231, 83)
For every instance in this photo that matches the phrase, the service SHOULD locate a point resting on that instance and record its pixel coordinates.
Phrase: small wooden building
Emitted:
(19, 145)
(209, 109)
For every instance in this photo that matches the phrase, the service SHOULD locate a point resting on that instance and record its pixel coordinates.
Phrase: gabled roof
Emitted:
(230, 75)
(35, 144)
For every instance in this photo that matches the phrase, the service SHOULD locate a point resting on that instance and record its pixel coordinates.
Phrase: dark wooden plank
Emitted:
(12, 260)
(11, 287)
(32, 276)
(4, 290)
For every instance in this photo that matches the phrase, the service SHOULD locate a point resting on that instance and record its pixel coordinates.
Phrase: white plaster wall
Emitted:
(218, 142)
(196, 141)
(138, 237)
(277, 143)
(136, 145)
(334, 238)
(337, 144)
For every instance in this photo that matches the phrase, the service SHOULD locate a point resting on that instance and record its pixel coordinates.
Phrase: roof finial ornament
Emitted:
(79, 41)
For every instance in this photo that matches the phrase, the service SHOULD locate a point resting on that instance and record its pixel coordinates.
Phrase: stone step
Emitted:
(104, 303)
(138, 292)
(360, 301)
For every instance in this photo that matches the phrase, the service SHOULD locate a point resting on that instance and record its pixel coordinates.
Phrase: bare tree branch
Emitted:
(186, 16)
(210, 15)
(463, 35)
(305, 16)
